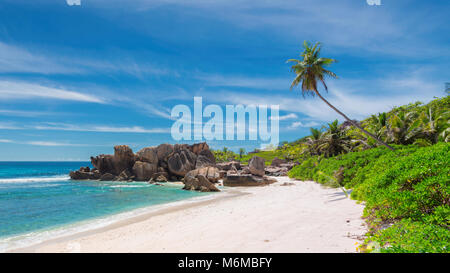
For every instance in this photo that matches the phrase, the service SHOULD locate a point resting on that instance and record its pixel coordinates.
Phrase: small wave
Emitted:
(129, 186)
(35, 179)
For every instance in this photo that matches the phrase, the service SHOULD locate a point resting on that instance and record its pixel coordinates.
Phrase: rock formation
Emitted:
(256, 165)
(276, 162)
(194, 164)
(199, 183)
(144, 171)
(253, 175)
(157, 164)
(211, 173)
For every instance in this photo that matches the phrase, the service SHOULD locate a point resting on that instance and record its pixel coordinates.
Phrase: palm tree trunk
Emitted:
(352, 122)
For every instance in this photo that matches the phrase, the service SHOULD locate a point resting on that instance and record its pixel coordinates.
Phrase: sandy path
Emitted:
(304, 217)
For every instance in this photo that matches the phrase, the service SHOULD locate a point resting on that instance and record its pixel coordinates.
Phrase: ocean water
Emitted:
(38, 198)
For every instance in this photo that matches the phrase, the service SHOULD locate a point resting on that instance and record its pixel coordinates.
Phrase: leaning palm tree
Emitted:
(310, 70)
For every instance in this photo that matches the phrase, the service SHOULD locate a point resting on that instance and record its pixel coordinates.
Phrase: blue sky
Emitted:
(77, 79)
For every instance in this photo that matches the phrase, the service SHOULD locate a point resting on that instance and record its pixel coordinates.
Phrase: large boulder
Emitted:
(160, 176)
(211, 173)
(246, 180)
(276, 171)
(277, 161)
(83, 175)
(144, 171)
(226, 166)
(197, 148)
(103, 163)
(256, 165)
(181, 161)
(205, 158)
(107, 177)
(148, 154)
(125, 175)
(123, 158)
(199, 183)
(163, 151)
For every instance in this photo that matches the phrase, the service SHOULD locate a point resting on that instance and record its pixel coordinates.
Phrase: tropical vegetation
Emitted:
(396, 162)
(406, 191)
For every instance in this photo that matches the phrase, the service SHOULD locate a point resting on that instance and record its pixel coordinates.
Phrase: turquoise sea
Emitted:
(38, 199)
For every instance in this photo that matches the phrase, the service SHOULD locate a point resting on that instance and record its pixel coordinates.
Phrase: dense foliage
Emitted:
(407, 189)
(415, 123)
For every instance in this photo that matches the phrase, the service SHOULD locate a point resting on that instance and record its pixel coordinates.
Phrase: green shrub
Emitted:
(412, 236)
(408, 188)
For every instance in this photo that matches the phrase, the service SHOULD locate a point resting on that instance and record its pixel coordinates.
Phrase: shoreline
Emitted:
(91, 226)
(303, 217)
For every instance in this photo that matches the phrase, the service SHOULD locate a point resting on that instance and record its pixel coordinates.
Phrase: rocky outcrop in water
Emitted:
(195, 165)
(154, 164)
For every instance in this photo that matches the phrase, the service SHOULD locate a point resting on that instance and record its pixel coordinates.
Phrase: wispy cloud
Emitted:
(285, 117)
(297, 124)
(243, 81)
(17, 59)
(19, 113)
(347, 24)
(9, 126)
(43, 143)
(100, 128)
(14, 59)
(51, 143)
(10, 90)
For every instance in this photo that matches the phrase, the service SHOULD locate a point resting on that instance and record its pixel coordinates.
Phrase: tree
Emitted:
(334, 141)
(310, 70)
(433, 123)
(241, 152)
(312, 142)
(378, 124)
(403, 127)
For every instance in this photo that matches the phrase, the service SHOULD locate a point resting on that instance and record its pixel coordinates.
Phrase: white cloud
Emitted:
(285, 117)
(243, 81)
(19, 113)
(9, 126)
(42, 143)
(20, 90)
(297, 124)
(99, 128)
(17, 59)
(50, 143)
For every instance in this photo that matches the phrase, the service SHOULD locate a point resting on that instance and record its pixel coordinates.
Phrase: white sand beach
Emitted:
(304, 217)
